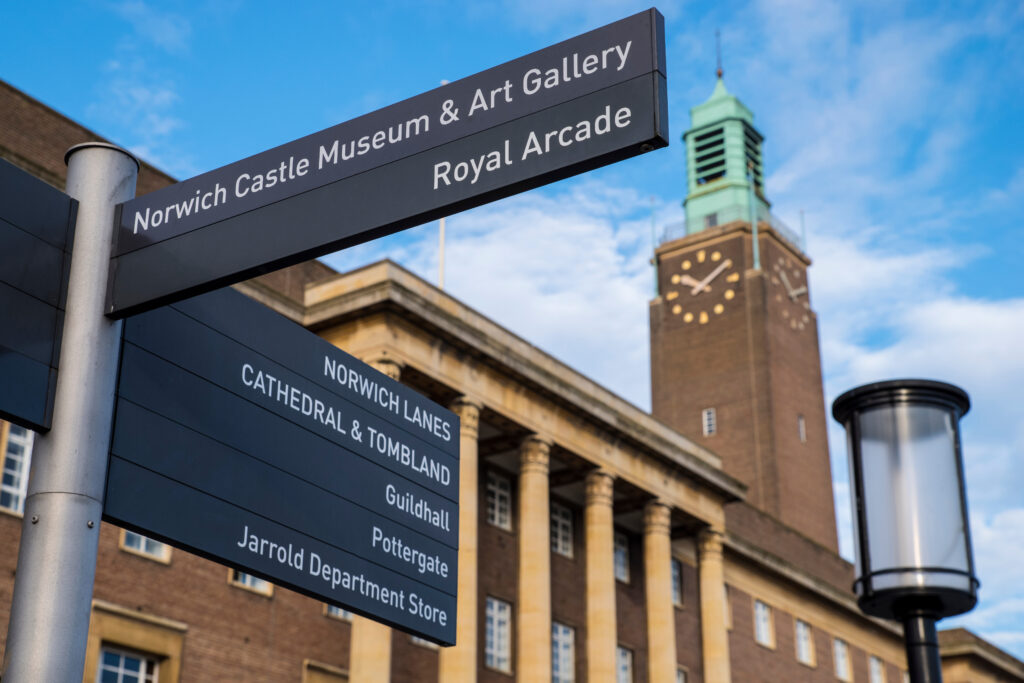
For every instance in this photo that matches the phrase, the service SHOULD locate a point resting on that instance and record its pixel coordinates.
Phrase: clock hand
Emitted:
(688, 280)
(785, 281)
(797, 292)
(704, 283)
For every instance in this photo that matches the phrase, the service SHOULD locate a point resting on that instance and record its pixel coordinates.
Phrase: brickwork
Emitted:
(412, 662)
(756, 663)
(499, 557)
(568, 599)
(755, 360)
(688, 636)
(629, 608)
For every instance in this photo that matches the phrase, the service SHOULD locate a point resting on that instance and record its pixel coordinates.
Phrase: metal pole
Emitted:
(923, 661)
(440, 265)
(49, 625)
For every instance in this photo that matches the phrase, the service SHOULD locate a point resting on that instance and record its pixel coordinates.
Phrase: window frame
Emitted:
(562, 532)
(558, 630)
(620, 544)
(764, 624)
(120, 627)
(264, 588)
(811, 660)
(163, 557)
(501, 517)
(624, 654)
(341, 614)
(495, 658)
(19, 490)
(872, 660)
(709, 422)
(145, 658)
(837, 645)
(677, 582)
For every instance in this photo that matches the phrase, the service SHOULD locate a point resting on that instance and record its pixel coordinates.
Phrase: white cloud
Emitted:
(568, 271)
(166, 30)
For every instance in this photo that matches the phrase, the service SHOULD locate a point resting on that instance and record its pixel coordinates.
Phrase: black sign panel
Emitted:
(580, 104)
(36, 226)
(247, 439)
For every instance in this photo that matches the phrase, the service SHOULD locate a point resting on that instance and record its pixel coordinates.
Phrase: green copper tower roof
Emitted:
(723, 151)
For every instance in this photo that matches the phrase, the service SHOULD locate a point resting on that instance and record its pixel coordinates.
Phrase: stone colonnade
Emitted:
(370, 656)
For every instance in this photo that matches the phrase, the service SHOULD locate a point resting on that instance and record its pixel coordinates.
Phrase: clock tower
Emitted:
(734, 340)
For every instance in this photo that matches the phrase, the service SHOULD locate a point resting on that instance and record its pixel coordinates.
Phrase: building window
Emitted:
(804, 643)
(145, 546)
(337, 612)
(677, 582)
(711, 220)
(680, 675)
(250, 582)
(764, 633)
(841, 656)
(319, 672)
(563, 653)
(561, 530)
(120, 666)
(16, 459)
(498, 646)
(708, 421)
(621, 557)
(876, 670)
(623, 665)
(423, 642)
(499, 501)
(801, 428)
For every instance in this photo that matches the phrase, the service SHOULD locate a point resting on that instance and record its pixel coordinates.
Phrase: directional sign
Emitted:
(36, 225)
(580, 104)
(243, 437)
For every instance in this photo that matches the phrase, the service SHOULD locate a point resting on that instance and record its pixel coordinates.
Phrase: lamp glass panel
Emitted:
(912, 497)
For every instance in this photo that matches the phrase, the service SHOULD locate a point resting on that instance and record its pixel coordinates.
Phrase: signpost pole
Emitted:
(57, 562)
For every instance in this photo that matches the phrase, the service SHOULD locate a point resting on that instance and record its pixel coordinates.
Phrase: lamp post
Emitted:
(913, 544)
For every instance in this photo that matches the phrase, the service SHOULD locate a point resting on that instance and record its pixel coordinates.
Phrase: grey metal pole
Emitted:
(49, 625)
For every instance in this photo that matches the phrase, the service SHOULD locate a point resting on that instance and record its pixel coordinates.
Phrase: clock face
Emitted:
(703, 285)
(790, 289)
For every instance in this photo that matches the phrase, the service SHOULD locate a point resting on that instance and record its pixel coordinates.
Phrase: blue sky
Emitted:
(894, 127)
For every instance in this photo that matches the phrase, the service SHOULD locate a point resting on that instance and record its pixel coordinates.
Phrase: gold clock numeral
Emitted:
(672, 295)
(688, 318)
(703, 317)
(701, 256)
(729, 294)
(716, 256)
(677, 309)
(687, 265)
(675, 279)
(719, 308)
(733, 277)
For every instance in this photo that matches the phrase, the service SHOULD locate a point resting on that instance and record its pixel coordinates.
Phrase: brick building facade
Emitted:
(597, 543)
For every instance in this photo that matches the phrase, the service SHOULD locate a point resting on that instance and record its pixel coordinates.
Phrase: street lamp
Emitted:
(913, 544)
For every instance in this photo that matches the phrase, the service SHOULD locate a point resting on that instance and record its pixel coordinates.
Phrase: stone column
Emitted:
(389, 367)
(661, 618)
(714, 632)
(533, 654)
(459, 663)
(369, 651)
(370, 647)
(600, 572)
